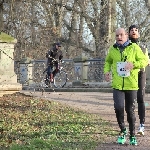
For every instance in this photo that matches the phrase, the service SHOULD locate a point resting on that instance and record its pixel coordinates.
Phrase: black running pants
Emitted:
(141, 96)
(127, 98)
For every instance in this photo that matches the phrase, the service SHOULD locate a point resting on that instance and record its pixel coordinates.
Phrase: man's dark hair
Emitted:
(133, 26)
(54, 44)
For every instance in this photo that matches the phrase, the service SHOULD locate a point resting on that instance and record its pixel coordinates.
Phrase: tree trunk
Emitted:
(127, 16)
(107, 27)
(1, 16)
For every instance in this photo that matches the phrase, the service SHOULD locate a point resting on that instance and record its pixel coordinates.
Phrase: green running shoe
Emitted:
(133, 140)
(122, 137)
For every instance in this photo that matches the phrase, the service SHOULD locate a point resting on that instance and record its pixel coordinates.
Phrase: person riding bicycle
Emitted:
(54, 56)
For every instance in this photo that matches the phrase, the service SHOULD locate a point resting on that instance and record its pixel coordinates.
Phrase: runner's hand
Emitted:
(129, 66)
(107, 76)
(149, 62)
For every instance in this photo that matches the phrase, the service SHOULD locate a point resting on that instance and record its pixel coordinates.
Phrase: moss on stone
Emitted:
(6, 38)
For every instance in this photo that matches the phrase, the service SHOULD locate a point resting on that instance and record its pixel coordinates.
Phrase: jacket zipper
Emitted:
(123, 77)
(123, 84)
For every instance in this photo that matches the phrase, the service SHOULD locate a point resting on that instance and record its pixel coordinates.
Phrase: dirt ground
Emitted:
(102, 104)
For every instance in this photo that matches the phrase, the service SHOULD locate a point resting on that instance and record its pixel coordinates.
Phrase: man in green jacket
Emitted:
(124, 59)
(134, 37)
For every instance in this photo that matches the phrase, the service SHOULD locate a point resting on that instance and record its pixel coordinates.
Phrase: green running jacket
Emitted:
(132, 53)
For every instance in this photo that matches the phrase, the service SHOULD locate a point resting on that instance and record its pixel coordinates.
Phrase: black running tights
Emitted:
(128, 98)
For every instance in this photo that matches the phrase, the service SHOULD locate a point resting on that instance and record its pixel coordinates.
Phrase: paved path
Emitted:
(102, 104)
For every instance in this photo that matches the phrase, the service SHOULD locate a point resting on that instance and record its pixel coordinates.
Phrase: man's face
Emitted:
(58, 47)
(134, 33)
(121, 36)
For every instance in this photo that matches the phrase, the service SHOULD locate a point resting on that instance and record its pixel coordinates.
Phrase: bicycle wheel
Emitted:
(45, 81)
(60, 79)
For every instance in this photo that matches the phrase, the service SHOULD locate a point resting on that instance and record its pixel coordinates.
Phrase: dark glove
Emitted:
(47, 55)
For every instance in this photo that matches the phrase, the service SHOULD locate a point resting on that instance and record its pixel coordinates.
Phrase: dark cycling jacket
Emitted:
(54, 56)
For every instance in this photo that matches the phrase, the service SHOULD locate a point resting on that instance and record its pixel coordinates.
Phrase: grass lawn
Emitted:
(5, 37)
(27, 123)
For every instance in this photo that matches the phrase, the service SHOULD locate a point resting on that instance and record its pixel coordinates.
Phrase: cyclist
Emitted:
(54, 56)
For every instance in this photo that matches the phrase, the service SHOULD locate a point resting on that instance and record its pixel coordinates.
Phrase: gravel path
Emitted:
(102, 104)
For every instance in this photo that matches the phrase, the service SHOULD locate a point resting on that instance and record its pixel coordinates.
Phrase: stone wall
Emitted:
(8, 78)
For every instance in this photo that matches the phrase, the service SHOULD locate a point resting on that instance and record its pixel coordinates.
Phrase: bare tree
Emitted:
(83, 26)
(1, 15)
(135, 12)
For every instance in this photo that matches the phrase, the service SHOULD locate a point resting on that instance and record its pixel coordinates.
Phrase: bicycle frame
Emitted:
(59, 79)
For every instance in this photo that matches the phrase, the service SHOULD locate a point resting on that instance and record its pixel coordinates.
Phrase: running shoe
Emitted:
(122, 137)
(141, 129)
(133, 140)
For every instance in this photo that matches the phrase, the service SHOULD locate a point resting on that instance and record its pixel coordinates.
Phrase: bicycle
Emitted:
(59, 80)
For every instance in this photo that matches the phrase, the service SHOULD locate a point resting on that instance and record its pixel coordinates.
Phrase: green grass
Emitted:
(27, 123)
(5, 37)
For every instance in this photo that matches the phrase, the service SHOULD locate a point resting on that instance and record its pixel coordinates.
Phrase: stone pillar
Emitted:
(26, 71)
(147, 70)
(148, 78)
(8, 78)
(81, 70)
